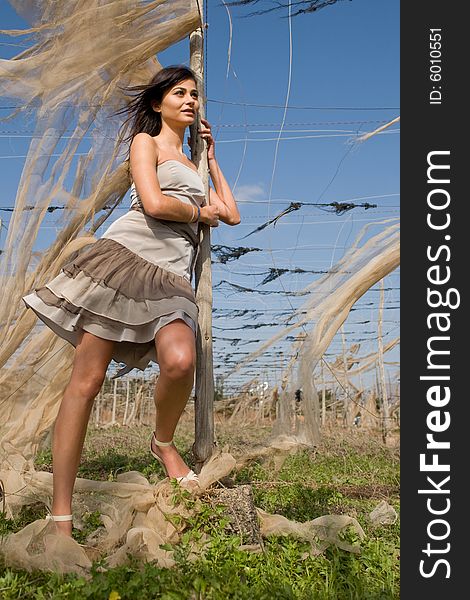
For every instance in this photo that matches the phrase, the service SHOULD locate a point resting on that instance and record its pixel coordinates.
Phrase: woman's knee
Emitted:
(92, 357)
(178, 364)
(88, 385)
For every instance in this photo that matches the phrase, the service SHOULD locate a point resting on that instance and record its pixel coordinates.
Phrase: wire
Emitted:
(304, 107)
(303, 137)
(215, 101)
(304, 123)
(243, 125)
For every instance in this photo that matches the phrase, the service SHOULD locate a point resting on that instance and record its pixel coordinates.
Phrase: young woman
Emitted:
(128, 296)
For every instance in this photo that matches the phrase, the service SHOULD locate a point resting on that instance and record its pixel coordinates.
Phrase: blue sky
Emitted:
(344, 80)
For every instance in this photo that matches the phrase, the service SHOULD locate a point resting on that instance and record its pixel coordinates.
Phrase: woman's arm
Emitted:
(143, 162)
(222, 197)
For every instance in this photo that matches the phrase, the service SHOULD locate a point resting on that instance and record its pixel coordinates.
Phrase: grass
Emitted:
(345, 475)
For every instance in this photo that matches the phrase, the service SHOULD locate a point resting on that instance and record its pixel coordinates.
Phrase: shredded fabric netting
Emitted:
(330, 299)
(141, 519)
(68, 85)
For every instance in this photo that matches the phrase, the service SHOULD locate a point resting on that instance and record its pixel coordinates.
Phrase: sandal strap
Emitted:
(191, 476)
(59, 517)
(158, 443)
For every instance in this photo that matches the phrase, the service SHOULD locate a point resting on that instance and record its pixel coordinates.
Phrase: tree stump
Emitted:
(242, 513)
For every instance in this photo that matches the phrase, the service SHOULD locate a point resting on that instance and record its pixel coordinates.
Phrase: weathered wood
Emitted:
(385, 408)
(113, 413)
(127, 402)
(204, 390)
(97, 410)
(241, 512)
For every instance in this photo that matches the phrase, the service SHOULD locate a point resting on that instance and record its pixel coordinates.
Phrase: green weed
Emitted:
(343, 476)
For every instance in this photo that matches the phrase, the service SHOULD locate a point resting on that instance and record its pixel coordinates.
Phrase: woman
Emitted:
(128, 296)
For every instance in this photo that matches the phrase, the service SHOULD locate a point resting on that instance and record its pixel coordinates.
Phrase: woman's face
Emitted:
(180, 103)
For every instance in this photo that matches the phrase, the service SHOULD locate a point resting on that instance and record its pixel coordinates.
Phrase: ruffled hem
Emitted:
(114, 294)
(82, 292)
(134, 345)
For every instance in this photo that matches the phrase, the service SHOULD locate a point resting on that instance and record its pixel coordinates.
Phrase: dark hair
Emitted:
(141, 116)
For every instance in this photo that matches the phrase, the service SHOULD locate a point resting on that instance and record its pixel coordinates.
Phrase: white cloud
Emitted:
(245, 193)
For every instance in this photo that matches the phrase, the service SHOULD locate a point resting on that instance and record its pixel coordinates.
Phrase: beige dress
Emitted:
(132, 281)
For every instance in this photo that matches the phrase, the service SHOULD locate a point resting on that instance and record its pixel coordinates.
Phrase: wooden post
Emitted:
(98, 406)
(142, 400)
(347, 402)
(323, 395)
(113, 413)
(335, 405)
(382, 384)
(204, 388)
(127, 402)
(149, 404)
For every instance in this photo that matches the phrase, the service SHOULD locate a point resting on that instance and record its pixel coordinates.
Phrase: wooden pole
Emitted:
(142, 401)
(382, 384)
(323, 394)
(98, 406)
(204, 388)
(347, 403)
(127, 402)
(113, 413)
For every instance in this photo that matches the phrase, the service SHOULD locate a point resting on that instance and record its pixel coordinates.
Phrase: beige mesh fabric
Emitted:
(279, 448)
(367, 261)
(383, 514)
(138, 518)
(359, 269)
(68, 84)
(370, 415)
(370, 134)
(366, 362)
(321, 532)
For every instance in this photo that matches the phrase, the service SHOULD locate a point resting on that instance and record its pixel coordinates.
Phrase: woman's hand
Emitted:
(206, 134)
(210, 215)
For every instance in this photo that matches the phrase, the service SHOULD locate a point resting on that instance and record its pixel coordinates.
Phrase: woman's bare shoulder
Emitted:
(144, 139)
(143, 153)
(144, 145)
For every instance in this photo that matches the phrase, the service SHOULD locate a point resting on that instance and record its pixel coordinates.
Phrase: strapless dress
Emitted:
(133, 280)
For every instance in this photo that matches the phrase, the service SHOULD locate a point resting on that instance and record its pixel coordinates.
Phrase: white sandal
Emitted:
(191, 476)
(59, 518)
(63, 518)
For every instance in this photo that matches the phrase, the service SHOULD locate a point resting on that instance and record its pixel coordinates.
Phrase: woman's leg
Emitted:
(176, 355)
(92, 357)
